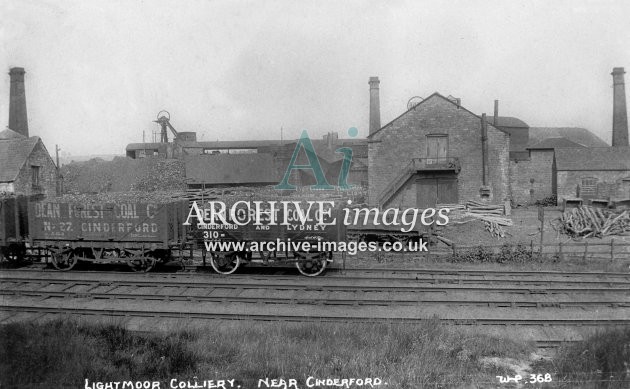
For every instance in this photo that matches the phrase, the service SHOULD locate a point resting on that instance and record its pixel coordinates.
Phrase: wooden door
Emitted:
(436, 190)
(426, 193)
(447, 191)
(437, 149)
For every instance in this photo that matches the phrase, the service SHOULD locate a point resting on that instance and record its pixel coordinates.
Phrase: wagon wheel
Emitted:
(15, 253)
(224, 263)
(311, 264)
(141, 263)
(64, 260)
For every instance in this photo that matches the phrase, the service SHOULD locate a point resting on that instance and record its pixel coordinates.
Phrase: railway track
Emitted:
(307, 318)
(420, 298)
(336, 285)
(550, 306)
(432, 276)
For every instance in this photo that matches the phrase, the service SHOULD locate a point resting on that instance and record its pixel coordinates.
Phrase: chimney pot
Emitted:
(18, 120)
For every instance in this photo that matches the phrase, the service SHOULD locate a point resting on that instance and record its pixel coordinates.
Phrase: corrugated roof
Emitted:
(593, 158)
(555, 143)
(231, 169)
(578, 135)
(508, 121)
(13, 155)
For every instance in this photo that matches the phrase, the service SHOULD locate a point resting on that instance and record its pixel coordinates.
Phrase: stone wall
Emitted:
(47, 174)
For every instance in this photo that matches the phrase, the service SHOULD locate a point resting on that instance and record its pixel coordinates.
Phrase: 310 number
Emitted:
(211, 234)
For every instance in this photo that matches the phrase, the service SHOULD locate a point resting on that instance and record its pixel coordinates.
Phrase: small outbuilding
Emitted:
(593, 173)
(26, 167)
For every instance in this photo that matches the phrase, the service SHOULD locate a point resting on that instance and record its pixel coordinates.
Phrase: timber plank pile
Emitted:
(585, 222)
(493, 216)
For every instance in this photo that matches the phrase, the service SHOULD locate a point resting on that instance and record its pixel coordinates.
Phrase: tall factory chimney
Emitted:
(620, 115)
(375, 105)
(17, 104)
(495, 120)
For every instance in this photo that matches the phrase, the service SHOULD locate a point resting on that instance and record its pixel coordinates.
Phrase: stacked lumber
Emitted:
(588, 222)
(484, 209)
(491, 215)
(452, 207)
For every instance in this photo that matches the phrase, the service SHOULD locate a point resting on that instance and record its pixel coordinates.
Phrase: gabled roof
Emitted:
(554, 143)
(231, 169)
(434, 95)
(508, 121)
(593, 158)
(10, 134)
(13, 155)
(578, 135)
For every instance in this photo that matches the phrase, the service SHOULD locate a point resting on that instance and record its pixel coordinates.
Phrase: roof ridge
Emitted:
(459, 106)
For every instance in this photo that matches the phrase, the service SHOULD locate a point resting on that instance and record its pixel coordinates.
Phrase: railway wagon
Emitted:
(137, 233)
(13, 227)
(308, 241)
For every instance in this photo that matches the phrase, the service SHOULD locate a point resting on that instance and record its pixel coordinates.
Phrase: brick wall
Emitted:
(47, 173)
(614, 184)
(532, 179)
(392, 148)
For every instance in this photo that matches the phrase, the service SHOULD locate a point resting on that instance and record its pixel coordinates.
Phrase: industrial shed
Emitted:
(593, 173)
(435, 153)
(221, 170)
(532, 176)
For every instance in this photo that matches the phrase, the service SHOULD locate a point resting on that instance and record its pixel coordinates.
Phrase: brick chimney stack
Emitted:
(18, 121)
(375, 105)
(620, 115)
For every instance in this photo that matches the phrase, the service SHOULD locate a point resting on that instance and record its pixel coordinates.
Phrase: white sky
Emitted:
(98, 72)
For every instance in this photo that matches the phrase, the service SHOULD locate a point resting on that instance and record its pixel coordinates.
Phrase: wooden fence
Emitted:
(612, 250)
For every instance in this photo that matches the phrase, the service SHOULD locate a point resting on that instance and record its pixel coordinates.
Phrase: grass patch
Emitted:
(600, 361)
(65, 352)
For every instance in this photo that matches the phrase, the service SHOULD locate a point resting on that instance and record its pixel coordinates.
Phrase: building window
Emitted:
(437, 149)
(35, 170)
(588, 187)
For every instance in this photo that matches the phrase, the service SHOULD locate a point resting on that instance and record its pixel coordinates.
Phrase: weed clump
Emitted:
(508, 253)
(602, 360)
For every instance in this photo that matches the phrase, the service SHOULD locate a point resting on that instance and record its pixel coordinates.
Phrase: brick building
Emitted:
(436, 152)
(25, 166)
